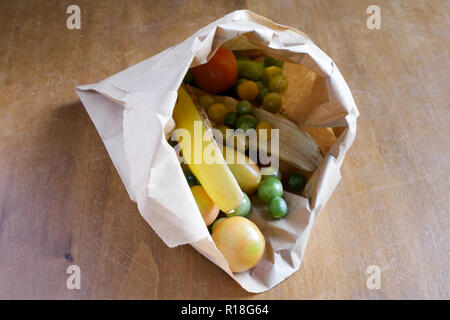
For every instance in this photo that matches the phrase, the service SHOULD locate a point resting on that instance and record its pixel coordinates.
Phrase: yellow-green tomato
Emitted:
(240, 241)
(244, 169)
(208, 208)
(278, 84)
(272, 102)
(206, 101)
(250, 70)
(217, 112)
(269, 73)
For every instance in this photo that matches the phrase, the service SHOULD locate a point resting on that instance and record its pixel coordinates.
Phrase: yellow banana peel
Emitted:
(202, 154)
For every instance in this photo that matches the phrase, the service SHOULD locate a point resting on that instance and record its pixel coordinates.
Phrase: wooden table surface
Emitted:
(62, 201)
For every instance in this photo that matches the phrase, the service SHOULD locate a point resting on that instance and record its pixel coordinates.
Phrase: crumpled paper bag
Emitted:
(130, 110)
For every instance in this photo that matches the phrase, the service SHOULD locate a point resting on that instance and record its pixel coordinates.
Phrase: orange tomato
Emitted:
(247, 90)
(208, 208)
(240, 241)
(219, 73)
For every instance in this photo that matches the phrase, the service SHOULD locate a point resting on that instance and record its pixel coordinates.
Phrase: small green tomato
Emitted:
(243, 209)
(244, 107)
(269, 61)
(246, 122)
(278, 207)
(296, 181)
(230, 119)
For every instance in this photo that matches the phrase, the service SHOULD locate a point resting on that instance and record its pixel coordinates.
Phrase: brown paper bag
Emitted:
(130, 110)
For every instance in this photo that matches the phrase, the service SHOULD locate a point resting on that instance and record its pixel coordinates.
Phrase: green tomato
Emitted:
(230, 119)
(269, 61)
(244, 107)
(278, 84)
(206, 101)
(267, 172)
(241, 57)
(243, 209)
(272, 102)
(278, 207)
(271, 72)
(250, 70)
(216, 223)
(246, 122)
(262, 93)
(270, 188)
(296, 181)
(191, 179)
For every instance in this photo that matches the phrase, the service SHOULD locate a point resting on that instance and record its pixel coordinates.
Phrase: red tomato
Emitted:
(219, 73)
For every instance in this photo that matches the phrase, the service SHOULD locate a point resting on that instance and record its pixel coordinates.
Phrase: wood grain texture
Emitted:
(62, 202)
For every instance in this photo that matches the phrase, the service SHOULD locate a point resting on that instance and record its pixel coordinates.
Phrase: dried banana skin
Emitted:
(296, 147)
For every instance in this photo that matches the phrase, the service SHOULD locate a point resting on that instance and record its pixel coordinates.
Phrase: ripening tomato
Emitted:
(240, 242)
(207, 207)
(219, 73)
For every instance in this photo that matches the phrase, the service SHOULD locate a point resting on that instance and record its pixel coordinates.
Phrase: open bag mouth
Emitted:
(132, 109)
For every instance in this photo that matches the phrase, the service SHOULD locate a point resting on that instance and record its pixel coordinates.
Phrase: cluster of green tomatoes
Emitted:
(270, 190)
